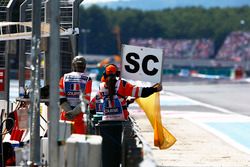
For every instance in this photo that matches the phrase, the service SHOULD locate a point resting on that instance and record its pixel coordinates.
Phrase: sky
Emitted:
(161, 4)
(95, 1)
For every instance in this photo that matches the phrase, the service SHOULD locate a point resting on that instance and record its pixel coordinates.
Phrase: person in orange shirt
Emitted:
(75, 92)
(111, 102)
(111, 99)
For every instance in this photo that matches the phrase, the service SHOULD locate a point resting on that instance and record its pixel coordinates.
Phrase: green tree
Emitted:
(178, 23)
(100, 38)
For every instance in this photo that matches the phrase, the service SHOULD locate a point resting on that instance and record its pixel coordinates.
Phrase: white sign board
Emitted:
(143, 64)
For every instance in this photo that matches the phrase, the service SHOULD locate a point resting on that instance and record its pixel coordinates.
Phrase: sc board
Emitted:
(141, 63)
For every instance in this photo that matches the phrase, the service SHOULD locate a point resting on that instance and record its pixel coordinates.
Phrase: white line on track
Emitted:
(201, 118)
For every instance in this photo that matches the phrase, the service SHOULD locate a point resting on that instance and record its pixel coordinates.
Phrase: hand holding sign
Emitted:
(158, 87)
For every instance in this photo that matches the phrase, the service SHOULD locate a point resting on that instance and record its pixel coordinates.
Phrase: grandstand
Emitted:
(199, 54)
(186, 48)
(236, 47)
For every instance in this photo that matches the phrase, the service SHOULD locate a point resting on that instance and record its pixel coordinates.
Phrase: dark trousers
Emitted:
(111, 132)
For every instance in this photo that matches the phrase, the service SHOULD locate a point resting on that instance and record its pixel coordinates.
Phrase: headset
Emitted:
(117, 74)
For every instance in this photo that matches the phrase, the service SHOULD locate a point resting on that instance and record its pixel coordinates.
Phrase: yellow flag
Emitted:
(151, 106)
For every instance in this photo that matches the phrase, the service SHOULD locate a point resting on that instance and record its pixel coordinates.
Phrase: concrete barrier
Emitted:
(83, 150)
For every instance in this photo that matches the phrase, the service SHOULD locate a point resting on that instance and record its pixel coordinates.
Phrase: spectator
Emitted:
(236, 47)
(200, 48)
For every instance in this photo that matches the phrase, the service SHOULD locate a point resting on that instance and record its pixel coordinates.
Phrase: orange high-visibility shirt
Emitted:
(71, 85)
(124, 89)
